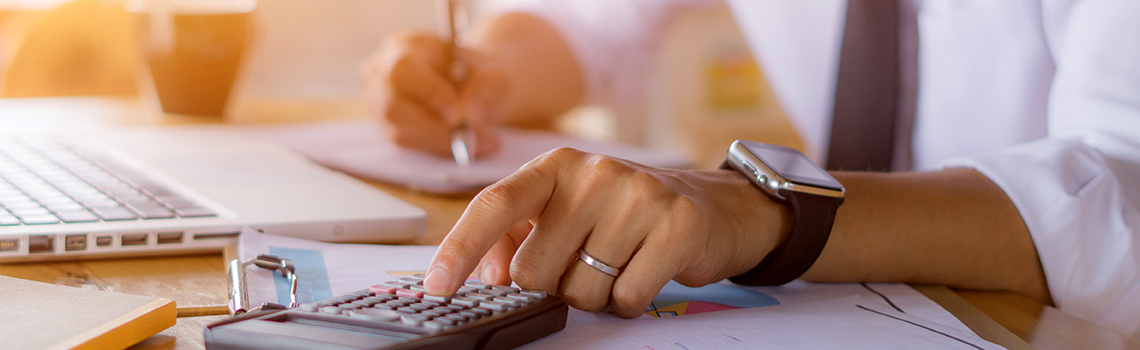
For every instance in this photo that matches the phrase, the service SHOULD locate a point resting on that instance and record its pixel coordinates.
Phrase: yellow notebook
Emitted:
(36, 315)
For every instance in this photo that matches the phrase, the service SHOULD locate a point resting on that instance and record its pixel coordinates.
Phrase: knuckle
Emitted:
(629, 297)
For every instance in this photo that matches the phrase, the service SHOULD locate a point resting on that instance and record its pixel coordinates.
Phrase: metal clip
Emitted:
(239, 298)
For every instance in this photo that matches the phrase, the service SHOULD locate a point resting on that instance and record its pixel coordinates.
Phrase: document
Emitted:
(819, 315)
(360, 148)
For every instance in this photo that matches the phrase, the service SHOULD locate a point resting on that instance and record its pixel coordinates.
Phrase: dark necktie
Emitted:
(874, 106)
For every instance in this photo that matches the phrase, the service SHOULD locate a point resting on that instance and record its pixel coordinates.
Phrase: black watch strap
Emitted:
(814, 216)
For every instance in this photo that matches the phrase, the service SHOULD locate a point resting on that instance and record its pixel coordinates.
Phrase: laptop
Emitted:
(158, 190)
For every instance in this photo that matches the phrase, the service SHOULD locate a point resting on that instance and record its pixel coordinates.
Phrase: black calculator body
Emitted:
(479, 316)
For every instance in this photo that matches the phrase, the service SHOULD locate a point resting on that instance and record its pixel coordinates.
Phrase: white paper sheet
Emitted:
(328, 269)
(852, 322)
(359, 147)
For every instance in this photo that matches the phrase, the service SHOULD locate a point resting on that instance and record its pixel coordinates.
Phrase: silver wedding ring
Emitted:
(597, 264)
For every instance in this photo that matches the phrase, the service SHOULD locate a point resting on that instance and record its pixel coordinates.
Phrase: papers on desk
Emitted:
(360, 148)
(799, 315)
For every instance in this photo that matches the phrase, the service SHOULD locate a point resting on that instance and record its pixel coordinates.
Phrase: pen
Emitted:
(462, 139)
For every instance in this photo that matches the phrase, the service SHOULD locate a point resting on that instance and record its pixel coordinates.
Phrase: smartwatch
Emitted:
(788, 176)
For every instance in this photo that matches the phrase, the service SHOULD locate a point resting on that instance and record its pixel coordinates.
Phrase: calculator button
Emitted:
(396, 303)
(310, 307)
(382, 289)
(373, 300)
(509, 301)
(384, 307)
(507, 289)
(420, 307)
(457, 318)
(456, 308)
(498, 293)
(363, 294)
(406, 310)
(480, 311)
(414, 320)
(397, 284)
(522, 297)
(435, 325)
(419, 275)
(418, 288)
(411, 280)
(324, 303)
(465, 301)
(409, 293)
(347, 307)
(494, 306)
(431, 314)
(477, 285)
(480, 296)
(445, 321)
(375, 315)
(540, 294)
(362, 303)
(467, 290)
(469, 315)
(437, 298)
(331, 310)
(343, 299)
(443, 310)
(409, 300)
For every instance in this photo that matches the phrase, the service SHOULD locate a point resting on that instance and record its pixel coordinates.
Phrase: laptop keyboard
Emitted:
(46, 181)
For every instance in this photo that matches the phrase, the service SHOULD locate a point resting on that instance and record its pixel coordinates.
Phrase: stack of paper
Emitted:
(798, 315)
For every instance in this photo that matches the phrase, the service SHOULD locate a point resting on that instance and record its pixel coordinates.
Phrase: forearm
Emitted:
(952, 227)
(543, 75)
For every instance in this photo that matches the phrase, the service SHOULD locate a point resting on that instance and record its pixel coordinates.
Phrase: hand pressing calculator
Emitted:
(398, 315)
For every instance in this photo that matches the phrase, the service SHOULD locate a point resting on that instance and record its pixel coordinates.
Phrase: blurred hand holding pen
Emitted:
(453, 24)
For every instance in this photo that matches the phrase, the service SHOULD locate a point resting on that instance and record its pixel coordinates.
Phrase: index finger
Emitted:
(490, 215)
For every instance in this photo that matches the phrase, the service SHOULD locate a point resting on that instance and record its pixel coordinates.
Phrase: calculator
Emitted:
(398, 315)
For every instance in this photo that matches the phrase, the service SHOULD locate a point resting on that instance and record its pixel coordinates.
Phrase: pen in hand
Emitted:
(453, 17)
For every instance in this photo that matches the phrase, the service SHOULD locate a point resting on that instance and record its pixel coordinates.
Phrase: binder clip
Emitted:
(239, 298)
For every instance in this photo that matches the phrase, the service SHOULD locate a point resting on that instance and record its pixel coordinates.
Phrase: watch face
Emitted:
(792, 165)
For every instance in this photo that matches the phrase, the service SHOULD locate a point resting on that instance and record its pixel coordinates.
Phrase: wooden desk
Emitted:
(197, 280)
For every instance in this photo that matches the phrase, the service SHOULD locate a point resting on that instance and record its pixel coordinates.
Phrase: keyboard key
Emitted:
(74, 216)
(39, 219)
(150, 211)
(113, 213)
(194, 212)
(375, 315)
(22, 212)
(8, 220)
(63, 206)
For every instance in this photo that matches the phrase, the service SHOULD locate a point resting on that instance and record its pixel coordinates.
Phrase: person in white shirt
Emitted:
(1026, 151)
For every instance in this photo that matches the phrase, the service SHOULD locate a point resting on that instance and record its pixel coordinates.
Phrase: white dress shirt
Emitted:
(1041, 96)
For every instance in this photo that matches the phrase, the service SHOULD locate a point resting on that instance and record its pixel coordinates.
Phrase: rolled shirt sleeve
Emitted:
(1078, 188)
(613, 41)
